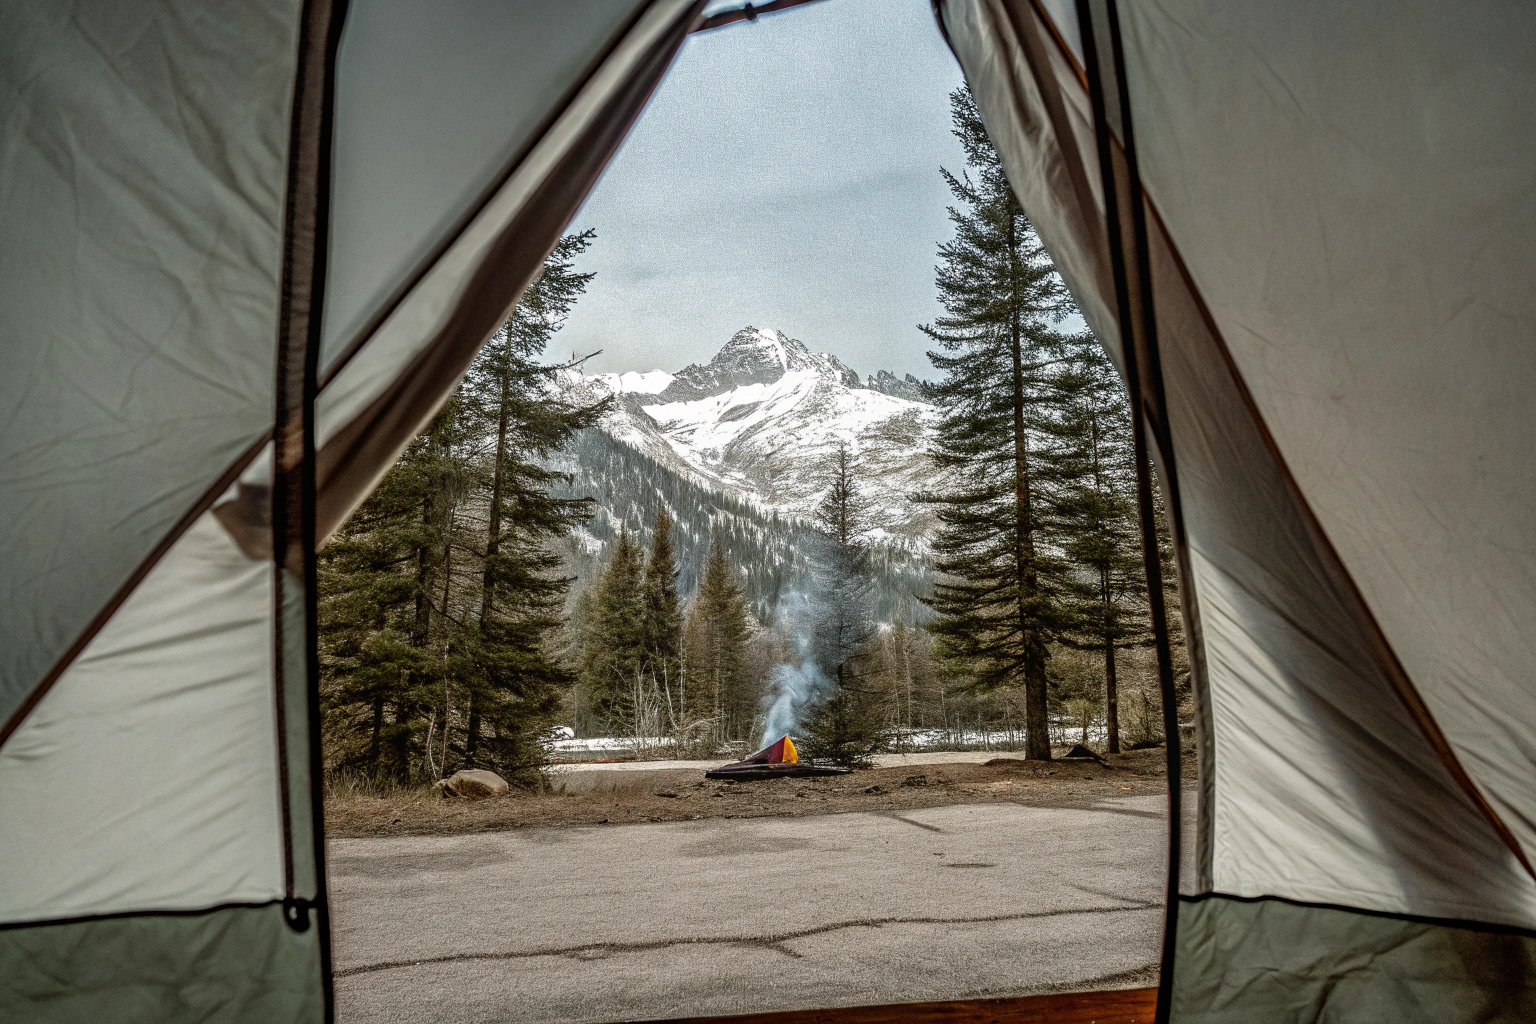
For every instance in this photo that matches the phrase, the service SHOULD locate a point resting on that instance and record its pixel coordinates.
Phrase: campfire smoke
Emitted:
(792, 685)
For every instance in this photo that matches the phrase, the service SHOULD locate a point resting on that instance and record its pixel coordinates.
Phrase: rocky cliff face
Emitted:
(889, 384)
(753, 356)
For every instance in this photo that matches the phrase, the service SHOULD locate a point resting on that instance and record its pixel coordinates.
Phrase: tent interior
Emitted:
(250, 248)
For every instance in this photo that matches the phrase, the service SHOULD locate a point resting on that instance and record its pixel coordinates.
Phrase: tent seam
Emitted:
(118, 915)
(204, 502)
(1469, 924)
(1143, 408)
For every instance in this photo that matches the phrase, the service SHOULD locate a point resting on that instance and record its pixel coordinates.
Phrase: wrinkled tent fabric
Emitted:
(1340, 234)
(159, 855)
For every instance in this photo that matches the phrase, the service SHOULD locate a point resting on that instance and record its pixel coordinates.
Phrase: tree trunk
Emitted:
(378, 728)
(492, 549)
(1111, 698)
(472, 734)
(1037, 739)
(423, 605)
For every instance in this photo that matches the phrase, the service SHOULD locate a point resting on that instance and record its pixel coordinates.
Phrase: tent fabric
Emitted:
(1327, 963)
(243, 965)
(1387, 334)
(142, 203)
(1351, 464)
(145, 779)
(433, 104)
(158, 796)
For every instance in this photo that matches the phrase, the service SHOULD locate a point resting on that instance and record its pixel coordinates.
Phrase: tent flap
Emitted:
(1326, 963)
(241, 965)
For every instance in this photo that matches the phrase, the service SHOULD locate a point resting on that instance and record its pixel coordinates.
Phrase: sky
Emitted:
(785, 175)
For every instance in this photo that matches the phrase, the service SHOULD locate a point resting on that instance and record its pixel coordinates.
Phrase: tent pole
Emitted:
(1138, 343)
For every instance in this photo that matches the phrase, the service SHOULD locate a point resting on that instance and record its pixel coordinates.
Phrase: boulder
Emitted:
(472, 784)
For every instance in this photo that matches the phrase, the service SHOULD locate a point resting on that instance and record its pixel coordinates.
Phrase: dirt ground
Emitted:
(597, 797)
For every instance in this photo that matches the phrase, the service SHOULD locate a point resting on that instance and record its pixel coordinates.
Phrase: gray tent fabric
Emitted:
(1387, 338)
(1303, 963)
(159, 794)
(433, 104)
(141, 209)
(1336, 767)
(243, 965)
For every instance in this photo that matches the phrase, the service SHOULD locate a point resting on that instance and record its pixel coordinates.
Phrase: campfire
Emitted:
(778, 760)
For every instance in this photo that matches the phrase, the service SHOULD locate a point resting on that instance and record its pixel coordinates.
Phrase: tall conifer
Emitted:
(663, 622)
(717, 635)
(517, 684)
(843, 723)
(439, 595)
(613, 648)
(1000, 597)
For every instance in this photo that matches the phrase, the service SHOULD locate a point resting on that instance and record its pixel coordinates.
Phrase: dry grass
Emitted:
(356, 808)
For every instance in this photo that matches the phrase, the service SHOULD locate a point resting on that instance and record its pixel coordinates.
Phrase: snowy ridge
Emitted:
(761, 420)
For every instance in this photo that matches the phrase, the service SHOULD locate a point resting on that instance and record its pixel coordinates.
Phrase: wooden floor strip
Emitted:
(1115, 1006)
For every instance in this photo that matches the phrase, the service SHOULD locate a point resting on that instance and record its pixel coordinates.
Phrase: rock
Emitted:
(472, 784)
(874, 789)
(915, 780)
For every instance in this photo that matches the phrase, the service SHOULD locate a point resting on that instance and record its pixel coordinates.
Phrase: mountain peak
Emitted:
(755, 355)
(775, 346)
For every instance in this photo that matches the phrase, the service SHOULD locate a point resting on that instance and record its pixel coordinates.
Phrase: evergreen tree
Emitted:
(392, 642)
(1101, 510)
(440, 595)
(663, 622)
(843, 724)
(717, 634)
(1002, 596)
(613, 651)
(517, 684)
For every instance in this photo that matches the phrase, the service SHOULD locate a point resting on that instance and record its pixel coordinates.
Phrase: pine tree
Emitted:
(1001, 598)
(518, 685)
(613, 651)
(440, 595)
(843, 724)
(1101, 515)
(663, 622)
(717, 634)
(392, 641)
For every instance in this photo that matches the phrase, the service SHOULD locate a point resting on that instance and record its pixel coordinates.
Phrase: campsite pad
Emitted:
(596, 797)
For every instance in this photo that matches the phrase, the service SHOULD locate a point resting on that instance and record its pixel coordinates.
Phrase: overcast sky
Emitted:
(785, 175)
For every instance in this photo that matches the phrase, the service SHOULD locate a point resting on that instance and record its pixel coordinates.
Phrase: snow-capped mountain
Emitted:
(762, 418)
